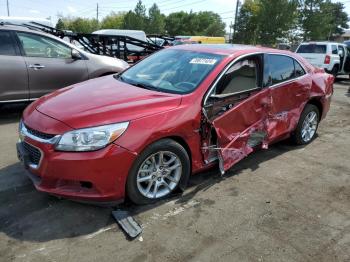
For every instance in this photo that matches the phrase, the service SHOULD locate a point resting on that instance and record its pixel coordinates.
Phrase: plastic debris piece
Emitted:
(127, 223)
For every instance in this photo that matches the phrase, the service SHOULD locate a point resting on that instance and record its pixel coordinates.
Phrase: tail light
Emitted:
(327, 59)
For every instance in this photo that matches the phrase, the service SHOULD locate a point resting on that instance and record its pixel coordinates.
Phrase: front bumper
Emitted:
(98, 176)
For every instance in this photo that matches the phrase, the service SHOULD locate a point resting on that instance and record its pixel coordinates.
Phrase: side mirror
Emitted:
(76, 55)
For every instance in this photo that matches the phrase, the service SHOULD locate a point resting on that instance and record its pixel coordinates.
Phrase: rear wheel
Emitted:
(335, 70)
(157, 172)
(307, 125)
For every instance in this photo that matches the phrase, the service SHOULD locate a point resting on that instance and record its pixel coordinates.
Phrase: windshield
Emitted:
(171, 71)
(312, 48)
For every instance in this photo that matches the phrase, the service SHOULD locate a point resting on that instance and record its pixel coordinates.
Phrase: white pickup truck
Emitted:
(333, 57)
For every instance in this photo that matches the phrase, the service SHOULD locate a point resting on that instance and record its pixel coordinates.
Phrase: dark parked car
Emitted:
(179, 111)
(33, 63)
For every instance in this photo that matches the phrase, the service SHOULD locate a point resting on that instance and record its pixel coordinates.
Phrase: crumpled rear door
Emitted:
(242, 128)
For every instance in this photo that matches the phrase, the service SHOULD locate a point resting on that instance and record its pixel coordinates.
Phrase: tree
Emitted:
(60, 24)
(202, 23)
(274, 19)
(79, 25)
(247, 23)
(209, 24)
(137, 19)
(321, 19)
(156, 21)
(265, 21)
(175, 24)
(113, 20)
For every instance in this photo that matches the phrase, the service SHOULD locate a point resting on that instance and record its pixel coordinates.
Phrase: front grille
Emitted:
(33, 153)
(38, 133)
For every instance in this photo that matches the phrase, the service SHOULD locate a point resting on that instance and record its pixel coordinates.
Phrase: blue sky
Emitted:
(87, 8)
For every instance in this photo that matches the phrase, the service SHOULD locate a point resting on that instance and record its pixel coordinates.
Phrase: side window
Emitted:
(240, 77)
(334, 50)
(281, 68)
(40, 46)
(7, 45)
(299, 71)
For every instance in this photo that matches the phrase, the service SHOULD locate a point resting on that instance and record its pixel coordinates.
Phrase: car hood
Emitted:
(104, 101)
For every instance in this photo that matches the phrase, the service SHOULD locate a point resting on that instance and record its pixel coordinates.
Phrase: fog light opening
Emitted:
(85, 184)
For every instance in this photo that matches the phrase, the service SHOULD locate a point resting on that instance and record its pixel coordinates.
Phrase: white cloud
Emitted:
(34, 11)
(71, 9)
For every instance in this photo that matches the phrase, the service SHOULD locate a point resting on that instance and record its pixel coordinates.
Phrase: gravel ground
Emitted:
(282, 204)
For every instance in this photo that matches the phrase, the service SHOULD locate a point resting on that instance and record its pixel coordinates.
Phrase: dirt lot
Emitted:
(283, 204)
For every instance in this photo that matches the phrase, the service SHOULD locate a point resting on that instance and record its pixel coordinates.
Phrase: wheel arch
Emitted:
(183, 143)
(316, 102)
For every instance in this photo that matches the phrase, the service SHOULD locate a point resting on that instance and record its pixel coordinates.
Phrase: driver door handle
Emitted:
(36, 66)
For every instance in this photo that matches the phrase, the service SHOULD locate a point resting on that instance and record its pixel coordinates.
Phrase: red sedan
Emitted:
(141, 133)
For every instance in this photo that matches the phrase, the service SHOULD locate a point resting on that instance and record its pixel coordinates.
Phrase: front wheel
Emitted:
(307, 125)
(157, 172)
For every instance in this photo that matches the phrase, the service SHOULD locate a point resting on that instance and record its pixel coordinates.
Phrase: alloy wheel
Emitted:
(309, 126)
(159, 174)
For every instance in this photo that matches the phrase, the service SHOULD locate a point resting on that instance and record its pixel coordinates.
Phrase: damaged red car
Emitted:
(141, 134)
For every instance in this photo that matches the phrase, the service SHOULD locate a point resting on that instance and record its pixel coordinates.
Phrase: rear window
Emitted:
(6, 44)
(312, 48)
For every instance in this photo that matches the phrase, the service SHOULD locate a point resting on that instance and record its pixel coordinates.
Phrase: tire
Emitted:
(335, 70)
(304, 134)
(172, 172)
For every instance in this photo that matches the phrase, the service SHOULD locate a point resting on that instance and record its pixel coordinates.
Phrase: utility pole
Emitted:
(8, 8)
(97, 12)
(236, 15)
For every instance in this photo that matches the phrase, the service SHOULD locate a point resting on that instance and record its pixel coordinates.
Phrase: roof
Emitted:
(228, 49)
(24, 28)
(320, 43)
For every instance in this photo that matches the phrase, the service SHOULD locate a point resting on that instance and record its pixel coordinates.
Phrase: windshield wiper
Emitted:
(138, 84)
(145, 86)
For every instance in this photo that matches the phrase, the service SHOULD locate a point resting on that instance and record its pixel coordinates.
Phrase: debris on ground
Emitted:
(127, 223)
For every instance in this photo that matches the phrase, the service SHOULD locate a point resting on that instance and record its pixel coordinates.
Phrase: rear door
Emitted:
(237, 107)
(289, 89)
(13, 70)
(50, 64)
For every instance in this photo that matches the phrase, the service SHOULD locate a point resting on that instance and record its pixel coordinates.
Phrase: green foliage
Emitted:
(268, 21)
(137, 19)
(322, 19)
(113, 21)
(179, 23)
(79, 25)
(156, 21)
(201, 23)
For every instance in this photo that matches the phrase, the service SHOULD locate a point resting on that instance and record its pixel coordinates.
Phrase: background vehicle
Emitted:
(331, 56)
(33, 63)
(142, 133)
(137, 34)
(208, 39)
(24, 20)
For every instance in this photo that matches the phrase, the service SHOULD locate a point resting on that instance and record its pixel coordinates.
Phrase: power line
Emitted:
(167, 9)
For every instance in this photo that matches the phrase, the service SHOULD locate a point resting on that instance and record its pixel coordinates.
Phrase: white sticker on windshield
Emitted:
(203, 61)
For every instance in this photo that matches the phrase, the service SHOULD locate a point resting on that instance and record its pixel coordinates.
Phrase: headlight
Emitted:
(90, 139)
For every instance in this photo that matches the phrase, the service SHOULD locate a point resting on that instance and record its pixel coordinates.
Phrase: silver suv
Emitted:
(33, 63)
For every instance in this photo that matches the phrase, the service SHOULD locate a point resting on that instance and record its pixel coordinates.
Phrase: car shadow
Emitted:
(205, 180)
(28, 215)
(342, 80)
(11, 113)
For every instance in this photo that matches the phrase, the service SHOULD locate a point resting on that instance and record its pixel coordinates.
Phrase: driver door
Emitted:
(237, 108)
(50, 64)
